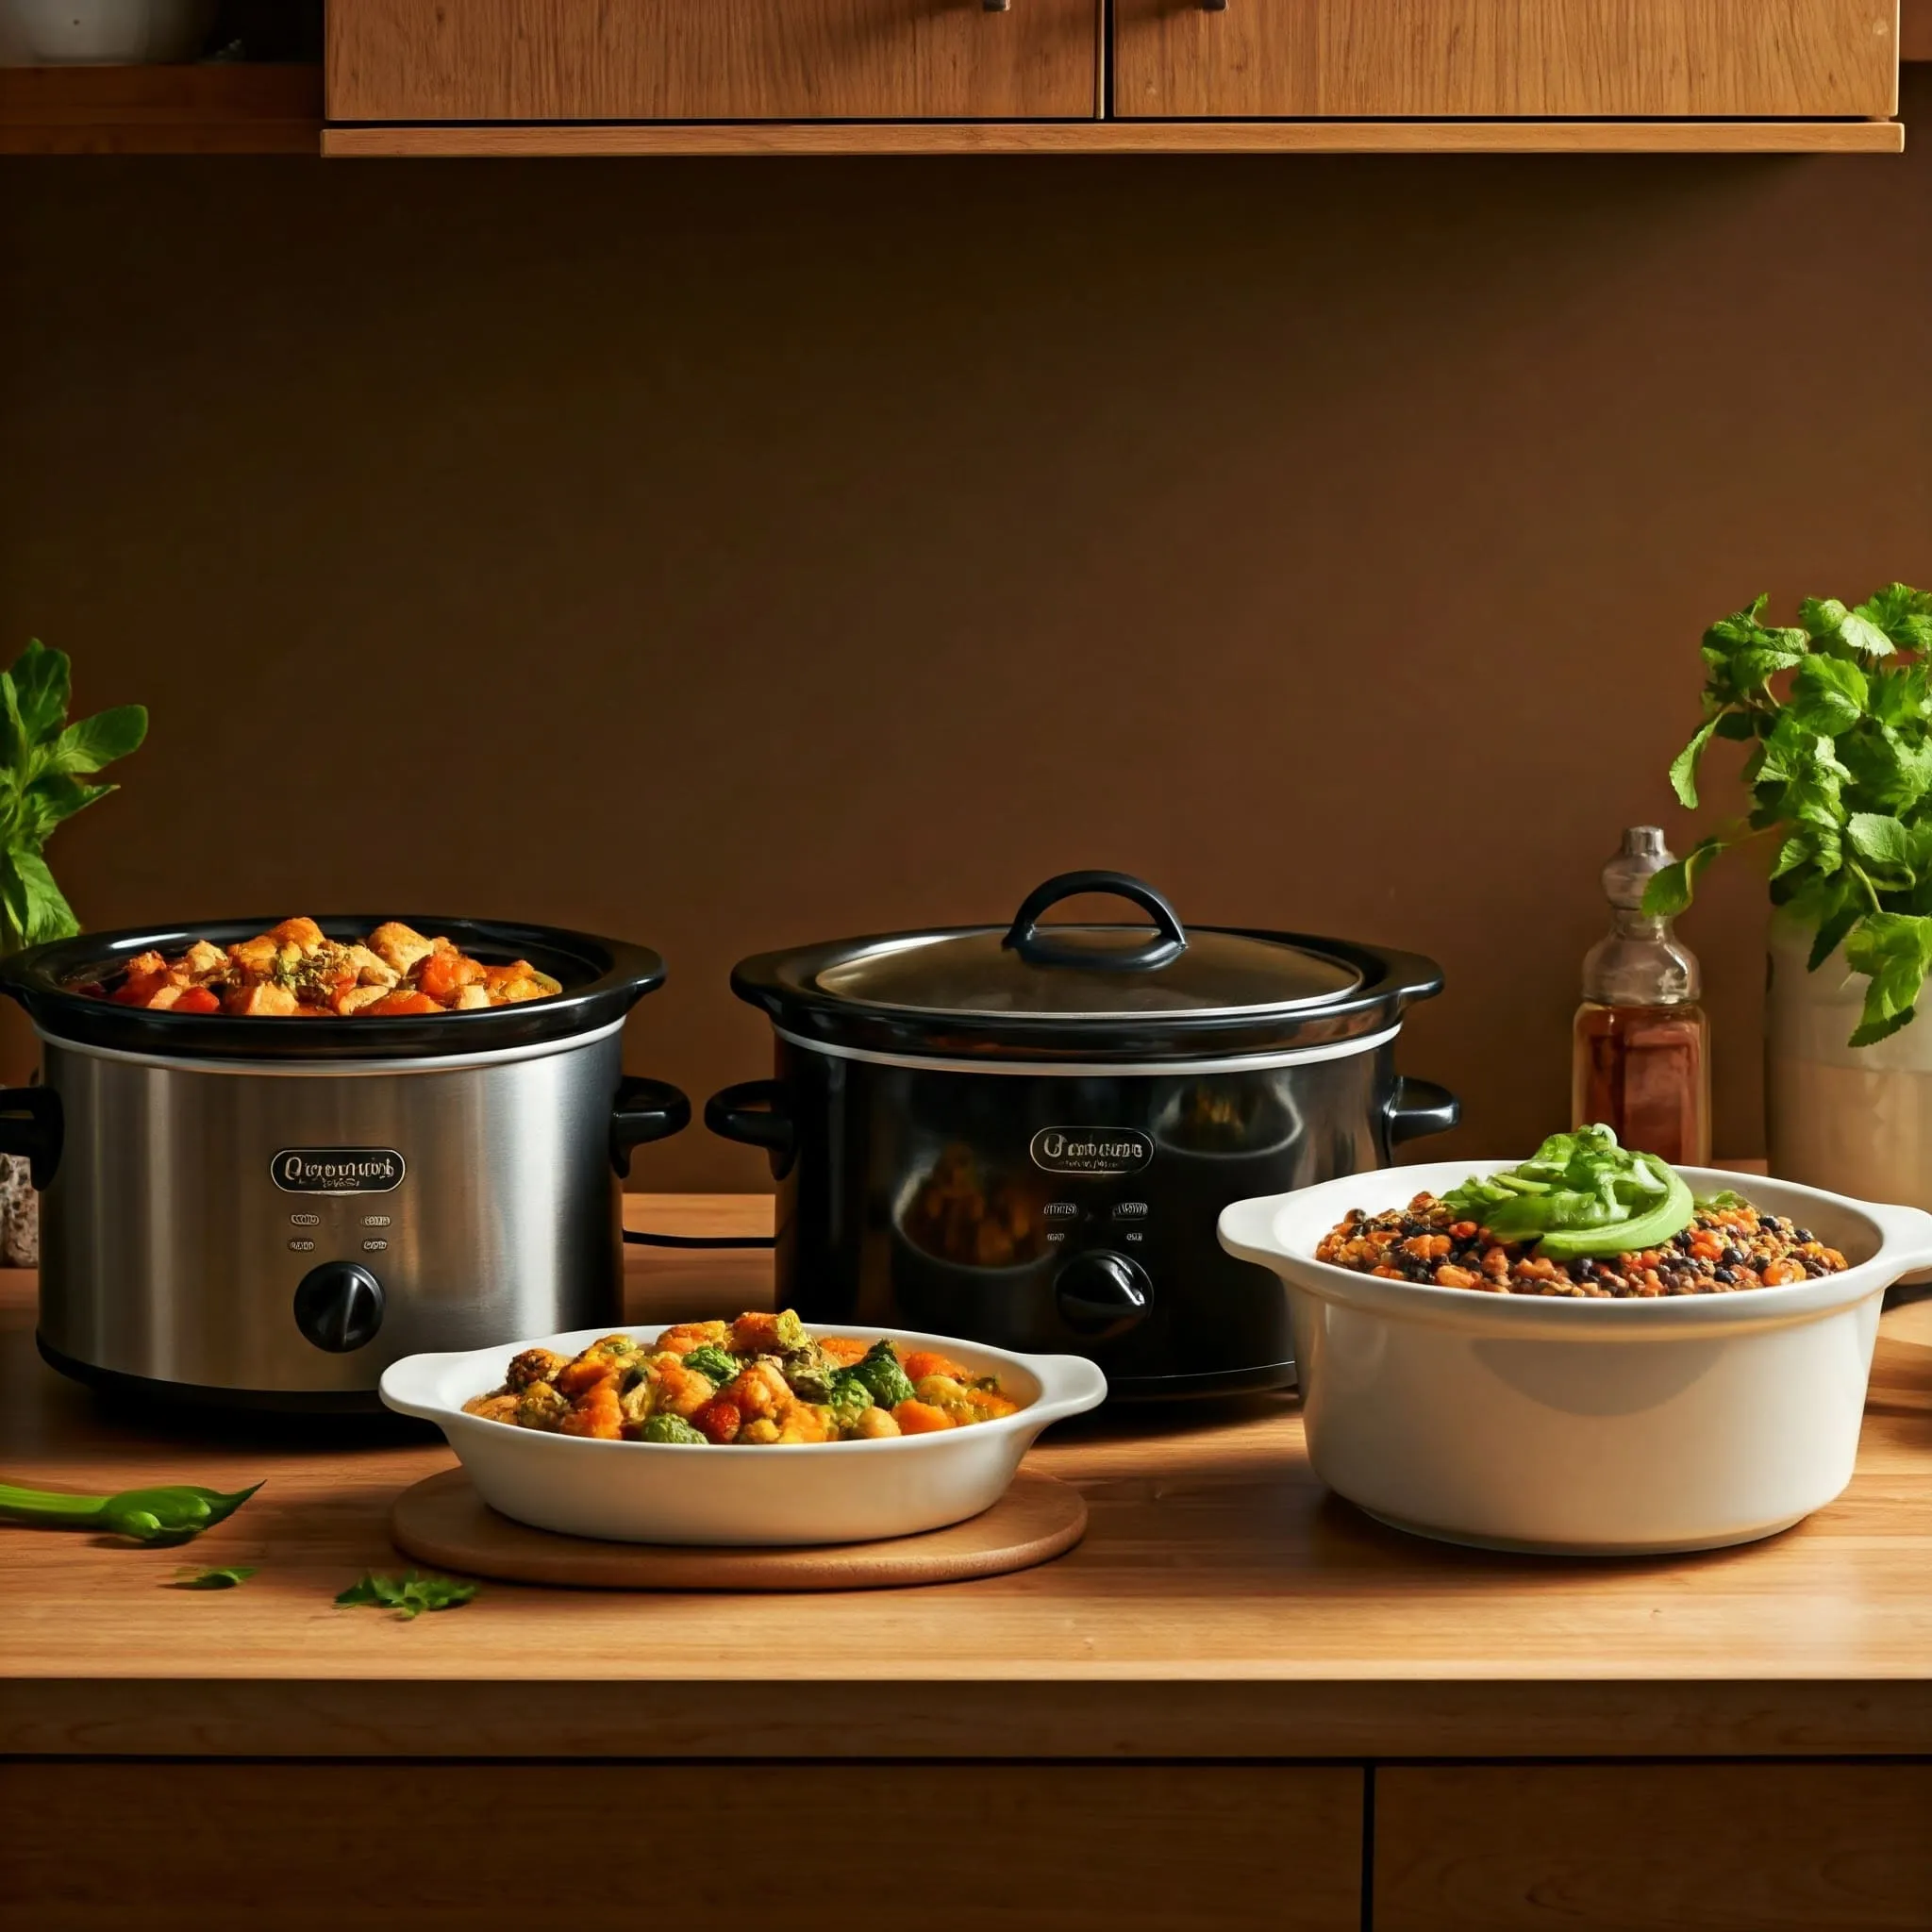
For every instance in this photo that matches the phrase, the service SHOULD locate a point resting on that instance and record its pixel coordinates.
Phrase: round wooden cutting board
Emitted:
(443, 1521)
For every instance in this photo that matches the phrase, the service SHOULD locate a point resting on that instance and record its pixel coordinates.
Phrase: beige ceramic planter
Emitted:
(1855, 1120)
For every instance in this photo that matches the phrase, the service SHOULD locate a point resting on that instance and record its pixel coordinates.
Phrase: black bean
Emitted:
(1723, 1274)
(1732, 1258)
(1682, 1238)
(1768, 1222)
(1801, 1234)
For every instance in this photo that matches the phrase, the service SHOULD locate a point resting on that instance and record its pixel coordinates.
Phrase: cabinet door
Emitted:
(711, 59)
(209, 1846)
(1687, 1847)
(1381, 59)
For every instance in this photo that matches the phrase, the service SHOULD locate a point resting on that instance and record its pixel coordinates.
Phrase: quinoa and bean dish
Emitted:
(1584, 1219)
(759, 1380)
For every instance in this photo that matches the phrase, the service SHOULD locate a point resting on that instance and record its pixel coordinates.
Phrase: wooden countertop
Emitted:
(1222, 1605)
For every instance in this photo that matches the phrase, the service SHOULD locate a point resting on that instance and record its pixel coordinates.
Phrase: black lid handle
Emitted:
(1024, 935)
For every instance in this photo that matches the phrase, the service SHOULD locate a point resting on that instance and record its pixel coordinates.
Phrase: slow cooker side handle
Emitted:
(33, 1125)
(644, 1110)
(1418, 1108)
(754, 1114)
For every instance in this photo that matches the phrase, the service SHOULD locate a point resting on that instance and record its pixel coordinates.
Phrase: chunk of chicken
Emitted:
(263, 1000)
(399, 946)
(360, 996)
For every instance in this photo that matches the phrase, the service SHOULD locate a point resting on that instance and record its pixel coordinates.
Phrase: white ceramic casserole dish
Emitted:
(1592, 1428)
(766, 1497)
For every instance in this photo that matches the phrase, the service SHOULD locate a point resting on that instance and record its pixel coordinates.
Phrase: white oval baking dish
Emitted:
(1592, 1428)
(801, 1494)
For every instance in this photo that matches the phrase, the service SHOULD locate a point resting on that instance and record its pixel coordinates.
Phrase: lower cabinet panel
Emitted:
(208, 1846)
(1663, 1848)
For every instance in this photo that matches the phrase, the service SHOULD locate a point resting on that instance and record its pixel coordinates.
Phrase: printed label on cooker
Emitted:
(338, 1170)
(1091, 1150)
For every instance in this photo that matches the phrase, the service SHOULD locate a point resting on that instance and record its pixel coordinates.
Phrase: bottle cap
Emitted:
(1641, 857)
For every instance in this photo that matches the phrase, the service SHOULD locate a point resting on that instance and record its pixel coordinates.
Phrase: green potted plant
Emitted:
(48, 769)
(1836, 712)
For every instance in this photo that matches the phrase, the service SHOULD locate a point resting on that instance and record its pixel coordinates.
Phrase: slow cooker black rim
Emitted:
(603, 979)
(784, 986)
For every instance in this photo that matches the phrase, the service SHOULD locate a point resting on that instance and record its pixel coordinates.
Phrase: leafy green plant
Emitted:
(45, 764)
(407, 1596)
(1838, 713)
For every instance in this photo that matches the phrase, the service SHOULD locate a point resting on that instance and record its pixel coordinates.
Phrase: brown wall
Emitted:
(731, 552)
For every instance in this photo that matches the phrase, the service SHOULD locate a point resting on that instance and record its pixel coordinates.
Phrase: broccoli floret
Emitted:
(849, 1400)
(884, 1376)
(807, 1373)
(713, 1363)
(672, 1428)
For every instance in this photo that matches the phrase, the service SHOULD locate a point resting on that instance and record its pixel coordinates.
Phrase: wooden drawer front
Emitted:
(710, 60)
(452, 1848)
(1481, 58)
(1669, 1848)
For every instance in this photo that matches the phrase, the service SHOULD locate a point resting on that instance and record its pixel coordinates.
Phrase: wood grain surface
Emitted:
(220, 107)
(1125, 137)
(727, 59)
(202, 1847)
(441, 1520)
(1221, 1605)
(1601, 1848)
(1379, 58)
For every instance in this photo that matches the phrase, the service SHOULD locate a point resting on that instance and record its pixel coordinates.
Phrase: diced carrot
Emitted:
(197, 999)
(916, 1418)
(401, 1005)
(923, 1362)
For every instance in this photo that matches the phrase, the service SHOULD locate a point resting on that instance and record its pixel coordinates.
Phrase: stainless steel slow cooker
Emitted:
(267, 1212)
(1025, 1135)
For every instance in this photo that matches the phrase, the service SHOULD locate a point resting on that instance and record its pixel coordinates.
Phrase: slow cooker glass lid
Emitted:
(1031, 970)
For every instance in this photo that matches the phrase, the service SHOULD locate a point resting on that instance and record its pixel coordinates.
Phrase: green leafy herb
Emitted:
(409, 1596)
(883, 1376)
(1579, 1194)
(710, 1360)
(1840, 771)
(163, 1516)
(45, 763)
(225, 1578)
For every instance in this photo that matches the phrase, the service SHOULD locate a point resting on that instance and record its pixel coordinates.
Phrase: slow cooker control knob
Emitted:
(339, 1307)
(1102, 1293)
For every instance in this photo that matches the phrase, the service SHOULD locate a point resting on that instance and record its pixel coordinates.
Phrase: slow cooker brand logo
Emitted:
(1091, 1150)
(338, 1170)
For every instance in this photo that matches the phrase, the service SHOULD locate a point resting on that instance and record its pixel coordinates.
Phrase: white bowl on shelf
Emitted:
(773, 1496)
(1590, 1427)
(102, 33)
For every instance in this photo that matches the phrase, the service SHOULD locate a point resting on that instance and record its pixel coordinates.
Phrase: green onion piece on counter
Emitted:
(162, 1517)
(1580, 1194)
(409, 1596)
(225, 1578)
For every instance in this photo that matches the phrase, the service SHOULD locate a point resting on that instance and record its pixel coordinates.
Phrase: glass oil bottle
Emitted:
(1640, 1054)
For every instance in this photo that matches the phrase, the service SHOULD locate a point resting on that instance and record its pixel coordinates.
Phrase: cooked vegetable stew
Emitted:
(755, 1381)
(1728, 1245)
(294, 971)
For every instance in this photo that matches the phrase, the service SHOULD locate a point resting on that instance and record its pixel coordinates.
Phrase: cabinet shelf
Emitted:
(217, 108)
(1113, 137)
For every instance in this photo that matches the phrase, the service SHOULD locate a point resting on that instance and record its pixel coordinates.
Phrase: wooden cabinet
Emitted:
(208, 1846)
(1667, 1848)
(562, 60)
(1386, 60)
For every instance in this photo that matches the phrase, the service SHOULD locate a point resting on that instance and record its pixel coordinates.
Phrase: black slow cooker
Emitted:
(1024, 1135)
